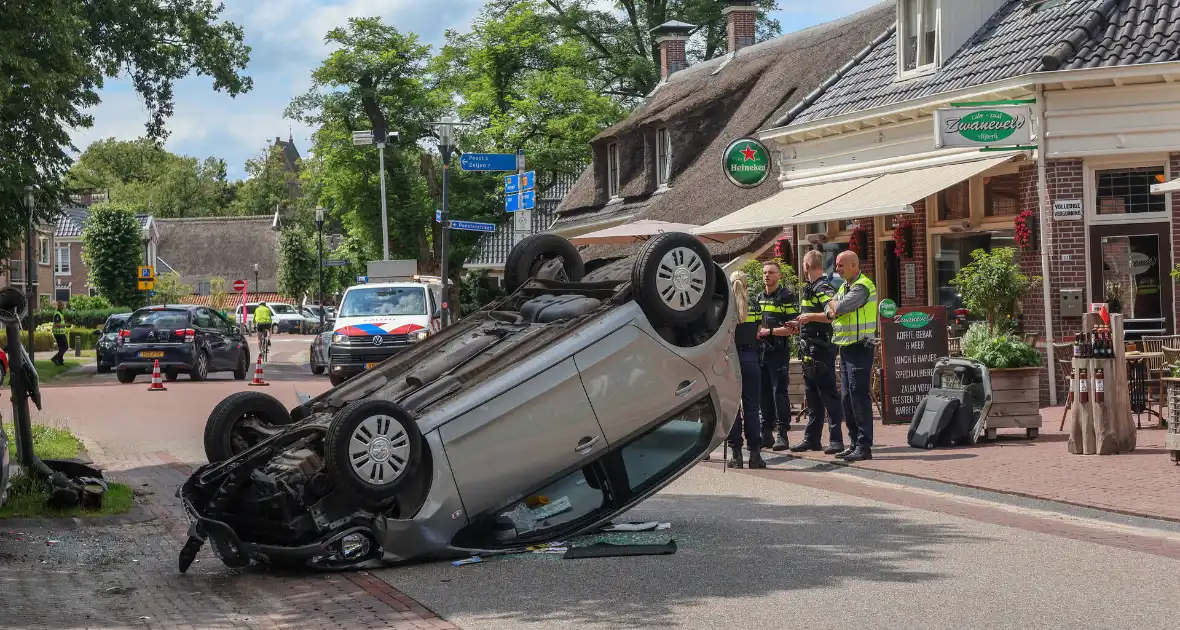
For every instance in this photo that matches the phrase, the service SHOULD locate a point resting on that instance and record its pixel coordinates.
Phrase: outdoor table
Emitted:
(1137, 371)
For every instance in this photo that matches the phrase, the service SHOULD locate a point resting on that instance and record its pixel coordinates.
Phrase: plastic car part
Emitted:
(372, 447)
(527, 257)
(241, 420)
(673, 279)
(552, 308)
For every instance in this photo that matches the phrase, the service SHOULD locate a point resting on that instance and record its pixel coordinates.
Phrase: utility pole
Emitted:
(319, 224)
(31, 272)
(362, 138)
(446, 146)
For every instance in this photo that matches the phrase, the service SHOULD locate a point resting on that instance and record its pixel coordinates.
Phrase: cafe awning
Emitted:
(1172, 186)
(854, 198)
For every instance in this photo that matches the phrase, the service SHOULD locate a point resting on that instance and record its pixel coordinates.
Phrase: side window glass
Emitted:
(574, 497)
(202, 320)
(651, 458)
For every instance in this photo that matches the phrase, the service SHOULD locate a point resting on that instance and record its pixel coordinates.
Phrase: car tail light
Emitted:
(188, 333)
(123, 336)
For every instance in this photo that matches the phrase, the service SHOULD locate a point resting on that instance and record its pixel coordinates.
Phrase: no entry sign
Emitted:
(913, 339)
(239, 285)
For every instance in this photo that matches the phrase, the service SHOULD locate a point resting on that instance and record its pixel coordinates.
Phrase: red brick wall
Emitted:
(917, 223)
(672, 56)
(741, 27)
(868, 265)
(1033, 306)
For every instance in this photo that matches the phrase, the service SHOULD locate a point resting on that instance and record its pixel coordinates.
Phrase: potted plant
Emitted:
(993, 285)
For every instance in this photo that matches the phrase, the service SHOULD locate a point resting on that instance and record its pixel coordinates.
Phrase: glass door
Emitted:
(1129, 270)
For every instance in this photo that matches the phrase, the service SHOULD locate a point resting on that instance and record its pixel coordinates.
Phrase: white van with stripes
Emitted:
(377, 321)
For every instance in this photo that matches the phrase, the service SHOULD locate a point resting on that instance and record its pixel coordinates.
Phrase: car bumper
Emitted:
(357, 360)
(173, 358)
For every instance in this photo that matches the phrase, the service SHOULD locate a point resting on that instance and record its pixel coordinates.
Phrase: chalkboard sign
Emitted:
(912, 340)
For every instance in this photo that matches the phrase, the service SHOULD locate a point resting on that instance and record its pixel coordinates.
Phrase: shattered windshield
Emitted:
(384, 301)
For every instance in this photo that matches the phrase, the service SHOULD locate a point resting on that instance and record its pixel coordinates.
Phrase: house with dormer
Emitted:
(1049, 126)
(665, 161)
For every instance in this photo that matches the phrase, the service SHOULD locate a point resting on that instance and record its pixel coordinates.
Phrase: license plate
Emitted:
(151, 354)
(371, 365)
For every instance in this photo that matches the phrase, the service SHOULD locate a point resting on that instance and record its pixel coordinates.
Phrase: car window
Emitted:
(575, 497)
(203, 319)
(114, 324)
(384, 301)
(282, 309)
(160, 319)
(653, 457)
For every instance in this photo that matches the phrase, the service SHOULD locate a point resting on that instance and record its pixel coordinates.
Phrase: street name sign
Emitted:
(360, 138)
(472, 226)
(488, 161)
(335, 263)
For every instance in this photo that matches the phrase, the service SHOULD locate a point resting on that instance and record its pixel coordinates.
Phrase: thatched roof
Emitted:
(705, 107)
(227, 247)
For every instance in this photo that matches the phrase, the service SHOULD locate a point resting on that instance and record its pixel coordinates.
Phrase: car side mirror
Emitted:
(436, 316)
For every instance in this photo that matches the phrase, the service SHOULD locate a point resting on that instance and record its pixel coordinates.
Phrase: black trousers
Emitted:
(776, 404)
(62, 345)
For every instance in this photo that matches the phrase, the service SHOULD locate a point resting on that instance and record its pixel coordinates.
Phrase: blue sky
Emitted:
(287, 41)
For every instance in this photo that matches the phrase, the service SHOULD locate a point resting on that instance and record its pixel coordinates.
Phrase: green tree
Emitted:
(993, 284)
(297, 264)
(169, 289)
(625, 54)
(55, 56)
(265, 189)
(217, 291)
(112, 249)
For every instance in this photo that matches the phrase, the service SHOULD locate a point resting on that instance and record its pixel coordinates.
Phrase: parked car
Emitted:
(542, 416)
(288, 319)
(184, 338)
(321, 348)
(107, 346)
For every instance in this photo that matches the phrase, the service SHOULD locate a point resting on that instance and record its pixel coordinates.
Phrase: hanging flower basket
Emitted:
(782, 250)
(1025, 225)
(903, 240)
(856, 242)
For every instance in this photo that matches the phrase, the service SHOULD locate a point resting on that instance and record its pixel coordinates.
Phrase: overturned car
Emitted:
(587, 389)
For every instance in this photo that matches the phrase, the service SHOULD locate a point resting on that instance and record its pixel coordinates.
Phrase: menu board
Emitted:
(913, 339)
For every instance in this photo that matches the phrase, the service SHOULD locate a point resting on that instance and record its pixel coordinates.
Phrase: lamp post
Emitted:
(446, 145)
(319, 224)
(256, 287)
(364, 138)
(31, 269)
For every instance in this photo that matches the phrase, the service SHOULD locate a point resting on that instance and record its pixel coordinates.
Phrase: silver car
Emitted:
(544, 415)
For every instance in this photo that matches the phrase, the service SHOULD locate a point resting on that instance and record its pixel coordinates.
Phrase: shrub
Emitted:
(993, 285)
(998, 350)
(89, 303)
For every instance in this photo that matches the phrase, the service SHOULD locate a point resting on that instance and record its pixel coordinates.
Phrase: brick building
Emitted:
(71, 276)
(860, 157)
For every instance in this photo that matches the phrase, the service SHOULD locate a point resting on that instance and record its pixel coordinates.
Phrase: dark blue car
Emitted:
(184, 338)
(107, 347)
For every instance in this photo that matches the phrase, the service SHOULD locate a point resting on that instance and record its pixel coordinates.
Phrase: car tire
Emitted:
(200, 369)
(527, 256)
(172, 375)
(243, 368)
(373, 446)
(125, 376)
(221, 442)
(336, 379)
(102, 369)
(673, 279)
(317, 369)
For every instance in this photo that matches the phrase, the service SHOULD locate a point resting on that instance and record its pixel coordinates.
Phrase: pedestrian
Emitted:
(818, 354)
(853, 313)
(59, 334)
(746, 339)
(777, 306)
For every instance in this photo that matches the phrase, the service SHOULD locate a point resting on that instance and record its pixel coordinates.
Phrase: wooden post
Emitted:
(1102, 428)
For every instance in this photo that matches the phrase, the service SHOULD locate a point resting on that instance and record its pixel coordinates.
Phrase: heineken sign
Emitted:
(996, 126)
(746, 162)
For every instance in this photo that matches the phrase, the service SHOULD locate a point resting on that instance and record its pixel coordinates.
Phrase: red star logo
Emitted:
(749, 153)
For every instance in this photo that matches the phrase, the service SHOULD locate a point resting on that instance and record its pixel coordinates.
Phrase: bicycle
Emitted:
(264, 343)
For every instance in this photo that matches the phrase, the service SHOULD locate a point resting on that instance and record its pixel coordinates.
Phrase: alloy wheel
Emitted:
(379, 450)
(681, 279)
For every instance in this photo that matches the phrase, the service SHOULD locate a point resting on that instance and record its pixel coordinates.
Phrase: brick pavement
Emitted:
(126, 576)
(1140, 483)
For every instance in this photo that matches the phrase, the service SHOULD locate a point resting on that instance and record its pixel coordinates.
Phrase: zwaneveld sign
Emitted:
(912, 340)
(1001, 125)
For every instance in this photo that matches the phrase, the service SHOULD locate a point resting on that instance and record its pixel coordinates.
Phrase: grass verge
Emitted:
(47, 371)
(48, 442)
(27, 499)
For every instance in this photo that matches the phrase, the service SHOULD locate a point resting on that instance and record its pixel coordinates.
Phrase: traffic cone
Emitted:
(258, 382)
(157, 384)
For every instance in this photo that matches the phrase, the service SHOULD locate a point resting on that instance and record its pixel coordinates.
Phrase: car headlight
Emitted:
(417, 335)
(338, 338)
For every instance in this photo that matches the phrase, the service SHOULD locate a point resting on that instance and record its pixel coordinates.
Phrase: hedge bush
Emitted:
(94, 318)
(43, 341)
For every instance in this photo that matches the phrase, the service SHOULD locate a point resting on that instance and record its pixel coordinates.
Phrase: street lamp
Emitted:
(319, 224)
(257, 289)
(31, 268)
(365, 138)
(446, 145)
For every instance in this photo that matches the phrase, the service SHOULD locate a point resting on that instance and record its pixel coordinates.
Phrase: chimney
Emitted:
(671, 36)
(742, 18)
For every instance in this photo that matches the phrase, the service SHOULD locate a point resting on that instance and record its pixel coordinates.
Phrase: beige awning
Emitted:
(1172, 186)
(856, 198)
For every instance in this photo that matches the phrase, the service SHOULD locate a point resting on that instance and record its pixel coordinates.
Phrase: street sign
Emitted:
(438, 216)
(472, 226)
(511, 203)
(528, 199)
(511, 184)
(362, 137)
(336, 263)
(523, 220)
(146, 273)
(239, 285)
(528, 180)
(147, 285)
(362, 279)
(488, 161)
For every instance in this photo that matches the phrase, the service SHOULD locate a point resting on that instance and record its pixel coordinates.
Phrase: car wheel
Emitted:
(243, 366)
(336, 379)
(172, 375)
(673, 279)
(317, 369)
(529, 254)
(125, 376)
(102, 369)
(372, 447)
(234, 425)
(200, 369)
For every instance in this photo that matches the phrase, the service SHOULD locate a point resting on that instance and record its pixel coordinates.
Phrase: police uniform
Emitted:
(777, 308)
(854, 332)
(749, 355)
(818, 354)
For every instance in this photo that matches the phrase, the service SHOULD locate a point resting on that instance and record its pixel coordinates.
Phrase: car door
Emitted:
(234, 339)
(632, 381)
(528, 436)
(212, 338)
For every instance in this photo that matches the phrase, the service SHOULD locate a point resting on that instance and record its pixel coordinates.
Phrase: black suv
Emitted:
(183, 338)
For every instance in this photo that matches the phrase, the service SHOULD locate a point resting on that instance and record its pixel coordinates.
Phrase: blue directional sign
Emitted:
(472, 226)
(527, 180)
(438, 216)
(512, 202)
(511, 184)
(488, 162)
(528, 199)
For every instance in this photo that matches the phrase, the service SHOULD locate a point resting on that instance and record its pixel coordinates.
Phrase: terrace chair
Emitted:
(1063, 359)
(1156, 343)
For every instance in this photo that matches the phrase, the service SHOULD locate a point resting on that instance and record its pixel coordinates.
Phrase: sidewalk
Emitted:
(1141, 483)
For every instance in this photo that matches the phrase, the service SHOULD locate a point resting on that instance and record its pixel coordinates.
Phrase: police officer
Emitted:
(746, 339)
(777, 305)
(818, 354)
(853, 313)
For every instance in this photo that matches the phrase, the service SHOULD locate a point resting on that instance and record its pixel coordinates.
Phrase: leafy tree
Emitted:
(217, 291)
(112, 249)
(169, 289)
(83, 302)
(55, 56)
(297, 263)
(625, 54)
(992, 284)
(266, 187)
(475, 292)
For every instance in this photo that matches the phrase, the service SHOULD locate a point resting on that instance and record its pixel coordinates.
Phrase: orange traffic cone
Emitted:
(157, 384)
(258, 382)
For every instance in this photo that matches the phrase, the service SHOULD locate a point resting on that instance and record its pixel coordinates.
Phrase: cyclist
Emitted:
(263, 321)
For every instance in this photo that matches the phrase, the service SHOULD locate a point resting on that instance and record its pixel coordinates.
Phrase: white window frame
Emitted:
(903, 35)
(69, 293)
(13, 265)
(58, 268)
(44, 251)
(1090, 188)
(663, 157)
(612, 170)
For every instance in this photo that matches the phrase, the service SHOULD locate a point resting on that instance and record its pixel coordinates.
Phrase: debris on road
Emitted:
(636, 527)
(611, 550)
